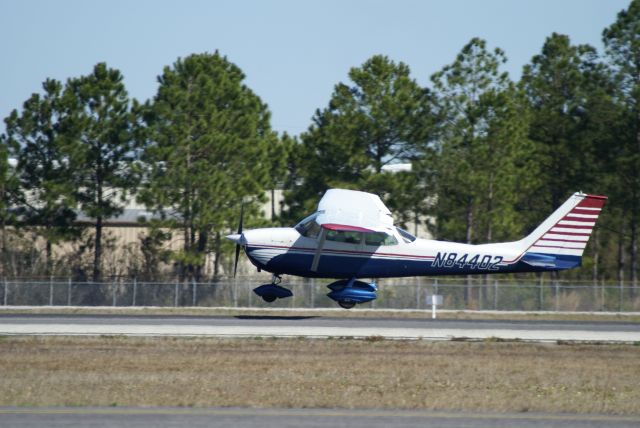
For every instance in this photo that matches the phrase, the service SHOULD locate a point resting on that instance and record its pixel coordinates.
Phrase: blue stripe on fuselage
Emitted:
(349, 266)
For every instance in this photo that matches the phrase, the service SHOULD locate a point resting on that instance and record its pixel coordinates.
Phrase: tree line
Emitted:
(491, 157)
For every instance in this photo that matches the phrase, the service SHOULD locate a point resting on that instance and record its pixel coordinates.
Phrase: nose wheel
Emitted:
(269, 298)
(271, 292)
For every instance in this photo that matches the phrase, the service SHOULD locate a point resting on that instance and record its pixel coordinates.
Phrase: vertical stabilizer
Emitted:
(566, 231)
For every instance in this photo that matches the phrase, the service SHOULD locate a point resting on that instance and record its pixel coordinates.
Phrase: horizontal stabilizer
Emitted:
(539, 260)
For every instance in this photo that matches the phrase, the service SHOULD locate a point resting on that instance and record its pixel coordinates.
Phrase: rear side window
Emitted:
(379, 238)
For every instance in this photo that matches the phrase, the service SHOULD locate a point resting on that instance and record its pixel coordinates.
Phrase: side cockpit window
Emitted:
(348, 237)
(379, 238)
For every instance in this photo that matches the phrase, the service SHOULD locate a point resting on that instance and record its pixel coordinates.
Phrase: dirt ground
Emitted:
(493, 376)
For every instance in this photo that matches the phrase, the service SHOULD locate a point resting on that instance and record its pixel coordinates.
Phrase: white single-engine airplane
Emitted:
(352, 236)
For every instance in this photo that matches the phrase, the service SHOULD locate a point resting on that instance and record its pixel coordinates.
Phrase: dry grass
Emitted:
(371, 373)
(331, 313)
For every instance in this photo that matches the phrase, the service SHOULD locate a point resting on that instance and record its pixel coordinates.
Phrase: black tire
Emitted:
(346, 305)
(269, 299)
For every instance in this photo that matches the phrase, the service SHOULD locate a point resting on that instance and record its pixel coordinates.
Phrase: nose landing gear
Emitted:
(271, 292)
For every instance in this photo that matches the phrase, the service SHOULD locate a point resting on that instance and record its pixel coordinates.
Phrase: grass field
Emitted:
(118, 371)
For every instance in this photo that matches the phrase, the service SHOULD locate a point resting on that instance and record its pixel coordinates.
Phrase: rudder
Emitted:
(560, 240)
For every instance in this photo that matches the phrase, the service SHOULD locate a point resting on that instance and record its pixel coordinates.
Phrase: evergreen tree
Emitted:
(483, 147)
(37, 137)
(622, 45)
(9, 194)
(210, 138)
(556, 85)
(101, 148)
(279, 152)
(573, 115)
(382, 118)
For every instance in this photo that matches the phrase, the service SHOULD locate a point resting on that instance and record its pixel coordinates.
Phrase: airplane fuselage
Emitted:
(352, 237)
(286, 251)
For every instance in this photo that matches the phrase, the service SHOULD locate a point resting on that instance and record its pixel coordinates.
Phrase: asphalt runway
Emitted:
(318, 327)
(271, 418)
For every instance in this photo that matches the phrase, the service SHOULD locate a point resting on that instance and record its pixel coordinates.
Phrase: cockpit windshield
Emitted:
(308, 227)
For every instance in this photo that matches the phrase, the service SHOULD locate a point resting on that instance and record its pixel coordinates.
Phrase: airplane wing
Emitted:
(351, 210)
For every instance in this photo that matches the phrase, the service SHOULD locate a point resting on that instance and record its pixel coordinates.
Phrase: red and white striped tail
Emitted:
(569, 234)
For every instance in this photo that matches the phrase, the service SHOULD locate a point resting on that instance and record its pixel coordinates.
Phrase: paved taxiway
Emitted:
(318, 327)
(250, 418)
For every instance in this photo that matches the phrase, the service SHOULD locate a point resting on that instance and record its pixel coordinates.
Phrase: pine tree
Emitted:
(37, 136)
(209, 142)
(622, 44)
(572, 118)
(10, 194)
(101, 148)
(279, 152)
(383, 117)
(556, 85)
(482, 148)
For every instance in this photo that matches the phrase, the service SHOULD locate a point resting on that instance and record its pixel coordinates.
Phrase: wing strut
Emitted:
(316, 257)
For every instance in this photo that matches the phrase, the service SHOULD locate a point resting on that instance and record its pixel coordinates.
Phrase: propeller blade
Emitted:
(241, 218)
(235, 264)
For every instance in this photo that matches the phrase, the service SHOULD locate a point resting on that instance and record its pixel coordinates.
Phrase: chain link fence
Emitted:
(476, 293)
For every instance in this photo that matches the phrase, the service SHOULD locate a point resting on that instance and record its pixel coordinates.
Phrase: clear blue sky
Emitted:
(292, 51)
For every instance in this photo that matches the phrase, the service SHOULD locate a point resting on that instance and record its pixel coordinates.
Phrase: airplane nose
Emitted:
(238, 238)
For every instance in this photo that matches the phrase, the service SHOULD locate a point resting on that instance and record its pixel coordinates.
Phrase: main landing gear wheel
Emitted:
(269, 298)
(346, 305)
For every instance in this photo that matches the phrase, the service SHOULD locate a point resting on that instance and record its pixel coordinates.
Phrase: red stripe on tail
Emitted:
(592, 201)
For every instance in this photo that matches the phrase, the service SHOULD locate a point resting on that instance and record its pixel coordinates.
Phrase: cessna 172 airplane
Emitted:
(352, 236)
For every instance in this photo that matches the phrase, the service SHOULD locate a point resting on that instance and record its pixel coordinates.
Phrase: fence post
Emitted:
(175, 295)
(435, 287)
(69, 292)
(135, 290)
(235, 292)
(6, 289)
(51, 290)
(418, 294)
(557, 295)
(540, 297)
(194, 292)
(313, 292)
(620, 291)
(115, 289)
(495, 294)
